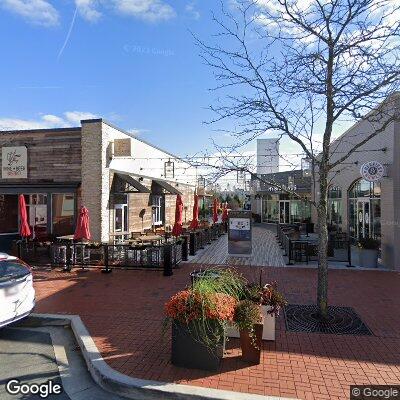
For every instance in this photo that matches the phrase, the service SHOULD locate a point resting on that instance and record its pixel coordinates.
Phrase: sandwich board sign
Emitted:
(239, 233)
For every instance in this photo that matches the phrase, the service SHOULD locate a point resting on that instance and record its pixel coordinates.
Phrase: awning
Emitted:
(124, 183)
(162, 185)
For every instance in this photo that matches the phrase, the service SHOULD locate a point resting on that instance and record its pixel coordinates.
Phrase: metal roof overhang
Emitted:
(167, 187)
(131, 184)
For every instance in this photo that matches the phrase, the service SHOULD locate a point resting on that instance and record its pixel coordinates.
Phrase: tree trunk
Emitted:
(322, 290)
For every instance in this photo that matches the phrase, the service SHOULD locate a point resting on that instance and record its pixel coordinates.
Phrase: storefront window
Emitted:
(364, 210)
(335, 207)
(8, 213)
(157, 206)
(37, 214)
(280, 208)
(63, 214)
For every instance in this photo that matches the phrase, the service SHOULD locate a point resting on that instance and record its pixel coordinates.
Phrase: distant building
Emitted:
(267, 156)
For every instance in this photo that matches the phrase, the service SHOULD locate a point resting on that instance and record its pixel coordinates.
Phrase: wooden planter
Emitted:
(189, 352)
(250, 353)
(268, 326)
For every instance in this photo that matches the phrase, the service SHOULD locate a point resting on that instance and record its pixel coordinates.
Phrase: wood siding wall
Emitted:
(53, 156)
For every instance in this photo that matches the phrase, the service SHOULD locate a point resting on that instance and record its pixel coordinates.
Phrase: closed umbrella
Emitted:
(215, 211)
(225, 213)
(195, 221)
(82, 230)
(24, 229)
(177, 229)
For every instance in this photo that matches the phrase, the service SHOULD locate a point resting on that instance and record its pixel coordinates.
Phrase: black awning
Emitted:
(165, 186)
(124, 183)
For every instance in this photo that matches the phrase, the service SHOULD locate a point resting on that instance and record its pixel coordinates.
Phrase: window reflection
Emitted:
(63, 214)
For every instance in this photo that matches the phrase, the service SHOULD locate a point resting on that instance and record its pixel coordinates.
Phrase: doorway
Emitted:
(363, 218)
(121, 218)
(284, 211)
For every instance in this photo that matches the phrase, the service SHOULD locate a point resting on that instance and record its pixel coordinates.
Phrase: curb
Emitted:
(133, 388)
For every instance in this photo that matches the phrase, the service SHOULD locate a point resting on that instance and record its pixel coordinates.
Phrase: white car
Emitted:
(17, 295)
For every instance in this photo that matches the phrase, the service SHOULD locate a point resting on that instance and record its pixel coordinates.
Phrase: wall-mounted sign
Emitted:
(239, 233)
(14, 162)
(372, 171)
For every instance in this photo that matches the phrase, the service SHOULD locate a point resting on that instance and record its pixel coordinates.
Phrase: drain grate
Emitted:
(340, 321)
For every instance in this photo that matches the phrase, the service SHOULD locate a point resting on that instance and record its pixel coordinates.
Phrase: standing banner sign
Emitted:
(240, 233)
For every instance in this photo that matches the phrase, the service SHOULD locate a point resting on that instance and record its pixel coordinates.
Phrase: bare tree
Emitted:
(298, 68)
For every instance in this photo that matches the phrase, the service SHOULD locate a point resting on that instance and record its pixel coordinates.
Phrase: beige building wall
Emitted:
(380, 148)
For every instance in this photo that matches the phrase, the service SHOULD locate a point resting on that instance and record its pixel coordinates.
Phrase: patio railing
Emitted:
(166, 255)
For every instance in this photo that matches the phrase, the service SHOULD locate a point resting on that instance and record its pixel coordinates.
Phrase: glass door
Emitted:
(121, 218)
(363, 218)
(37, 214)
(284, 211)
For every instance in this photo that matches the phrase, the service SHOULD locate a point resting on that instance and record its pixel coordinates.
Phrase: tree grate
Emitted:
(340, 321)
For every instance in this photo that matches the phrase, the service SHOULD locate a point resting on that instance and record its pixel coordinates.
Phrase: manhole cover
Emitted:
(340, 321)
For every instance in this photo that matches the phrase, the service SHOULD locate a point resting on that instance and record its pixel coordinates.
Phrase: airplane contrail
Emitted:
(68, 35)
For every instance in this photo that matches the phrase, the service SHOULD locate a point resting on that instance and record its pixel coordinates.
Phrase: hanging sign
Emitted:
(372, 171)
(14, 162)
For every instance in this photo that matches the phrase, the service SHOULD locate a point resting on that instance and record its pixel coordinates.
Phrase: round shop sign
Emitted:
(372, 171)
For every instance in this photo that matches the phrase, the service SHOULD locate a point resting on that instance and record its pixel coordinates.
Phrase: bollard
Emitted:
(185, 255)
(168, 260)
(68, 259)
(192, 244)
(106, 269)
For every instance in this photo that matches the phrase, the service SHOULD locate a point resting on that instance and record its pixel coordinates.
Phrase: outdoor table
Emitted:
(150, 238)
(119, 236)
(66, 237)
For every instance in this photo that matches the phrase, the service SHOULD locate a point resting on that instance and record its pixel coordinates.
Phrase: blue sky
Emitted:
(133, 62)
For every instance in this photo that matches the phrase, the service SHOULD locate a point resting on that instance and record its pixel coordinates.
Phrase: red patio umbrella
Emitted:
(82, 230)
(195, 221)
(24, 229)
(225, 213)
(215, 211)
(177, 229)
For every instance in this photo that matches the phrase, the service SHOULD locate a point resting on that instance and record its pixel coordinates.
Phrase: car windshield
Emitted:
(12, 269)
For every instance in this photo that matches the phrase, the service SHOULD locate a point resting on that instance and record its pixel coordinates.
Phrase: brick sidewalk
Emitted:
(124, 312)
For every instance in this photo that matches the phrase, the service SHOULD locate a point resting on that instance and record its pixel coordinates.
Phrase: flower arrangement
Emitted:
(267, 295)
(368, 244)
(188, 305)
(247, 314)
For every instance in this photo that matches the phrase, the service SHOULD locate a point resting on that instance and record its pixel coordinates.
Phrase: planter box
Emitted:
(189, 352)
(268, 326)
(364, 257)
(340, 254)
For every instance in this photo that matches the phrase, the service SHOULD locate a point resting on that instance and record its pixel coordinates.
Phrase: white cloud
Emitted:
(149, 10)
(46, 121)
(192, 11)
(39, 12)
(75, 117)
(88, 9)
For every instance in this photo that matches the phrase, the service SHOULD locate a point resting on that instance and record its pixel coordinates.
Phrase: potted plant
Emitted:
(271, 302)
(368, 252)
(249, 322)
(198, 319)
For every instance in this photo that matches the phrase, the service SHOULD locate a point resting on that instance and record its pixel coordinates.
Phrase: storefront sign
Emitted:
(14, 162)
(239, 233)
(372, 171)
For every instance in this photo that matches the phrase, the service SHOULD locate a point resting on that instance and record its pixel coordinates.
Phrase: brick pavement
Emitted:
(124, 312)
(265, 250)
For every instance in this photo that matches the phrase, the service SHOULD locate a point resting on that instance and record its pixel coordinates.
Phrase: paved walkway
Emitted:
(124, 313)
(266, 251)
